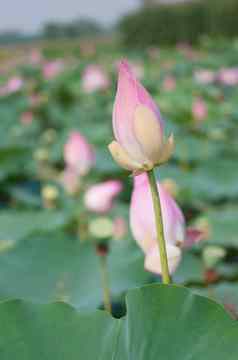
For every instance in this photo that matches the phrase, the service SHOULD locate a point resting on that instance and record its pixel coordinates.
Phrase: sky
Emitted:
(29, 15)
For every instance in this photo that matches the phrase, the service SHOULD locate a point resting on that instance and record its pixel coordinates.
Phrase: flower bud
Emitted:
(94, 79)
(99, 198)
(138, 128)
(142, 222)
(78, 154)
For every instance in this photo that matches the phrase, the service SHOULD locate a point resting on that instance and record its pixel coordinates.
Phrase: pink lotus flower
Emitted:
(78, 154)
(52, 68)
(204, 76)
(228, 76)
(13, 85)
(199, 109)
(169, 83)
(94, 79)
(99, 198)
(142, 221)
(137, 126)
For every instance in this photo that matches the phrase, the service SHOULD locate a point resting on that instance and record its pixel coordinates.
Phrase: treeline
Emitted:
(180, 22)
(76, 28)
(54, 30)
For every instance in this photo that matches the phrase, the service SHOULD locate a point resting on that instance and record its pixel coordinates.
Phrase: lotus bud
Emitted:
(52, 69)
(138, 128)
(78, 154)
(199, 110)
(142, 222)
(99, 198)
(94, 79)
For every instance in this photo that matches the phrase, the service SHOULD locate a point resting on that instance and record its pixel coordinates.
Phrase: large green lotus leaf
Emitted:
(50, 267)
(162, 322)
(226, 293)
(15, 224)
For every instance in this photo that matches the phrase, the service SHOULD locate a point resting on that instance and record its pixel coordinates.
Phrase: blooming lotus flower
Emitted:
(137, 126)
(142, 222)
(199, 109)
(78, 154)
(94, 79)
(13, 85)
(52, 68)
(228, 76)
(204, 76)
(99, 198)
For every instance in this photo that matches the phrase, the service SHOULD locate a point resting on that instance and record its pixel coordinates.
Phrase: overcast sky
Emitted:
(29, 15)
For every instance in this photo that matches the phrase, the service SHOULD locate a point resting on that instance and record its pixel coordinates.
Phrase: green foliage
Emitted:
(181, 22)
(165, 322)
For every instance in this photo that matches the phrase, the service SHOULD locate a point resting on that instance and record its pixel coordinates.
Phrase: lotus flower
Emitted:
(94, 79)
(13, 85)
(78, 154)
(99, 198)
(228, 76)
(199, 109)
(142, 221)
(52, 68)
(204, 76)
(137, 126)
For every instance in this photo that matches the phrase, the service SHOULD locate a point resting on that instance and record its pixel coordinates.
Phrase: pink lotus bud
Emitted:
(99, 198)
(94, 79)
(138, 127)
(78, 154)
(204, 76)
(52, 69)
(26, 118)
(199, 109)
(228, 76)
(169, 83)
(142, 221)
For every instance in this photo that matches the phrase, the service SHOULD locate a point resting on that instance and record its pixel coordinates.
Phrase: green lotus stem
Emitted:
(159, 227)
(105, 283)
